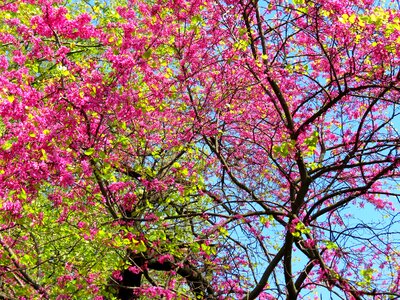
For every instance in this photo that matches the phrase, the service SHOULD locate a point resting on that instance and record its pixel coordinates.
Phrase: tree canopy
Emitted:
(172, 149)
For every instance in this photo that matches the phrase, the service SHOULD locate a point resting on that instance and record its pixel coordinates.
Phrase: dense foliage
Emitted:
(172, 149)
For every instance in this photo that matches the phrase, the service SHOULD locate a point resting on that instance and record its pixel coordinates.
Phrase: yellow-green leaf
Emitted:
(89, 151)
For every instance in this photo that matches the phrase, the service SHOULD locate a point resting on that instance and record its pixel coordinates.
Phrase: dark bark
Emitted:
(197, 283)
(131, 280)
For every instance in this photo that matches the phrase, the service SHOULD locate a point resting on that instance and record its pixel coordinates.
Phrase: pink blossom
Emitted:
(135, 269)
(165, 258)
(117, 275)
(81, 224)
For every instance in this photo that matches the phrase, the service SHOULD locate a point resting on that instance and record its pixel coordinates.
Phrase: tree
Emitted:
(199, 149)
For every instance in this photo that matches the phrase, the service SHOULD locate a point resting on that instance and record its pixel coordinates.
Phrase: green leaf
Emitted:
(195, 247)
(26, 259)
(367, 275)
(330, 245)
(89, 152)
(22, 195)
(147, 54)
(141, 247)
(44, 155)
(11, 98)
(223, 231)
(7, 145)
(283, 149)
(263, 220)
